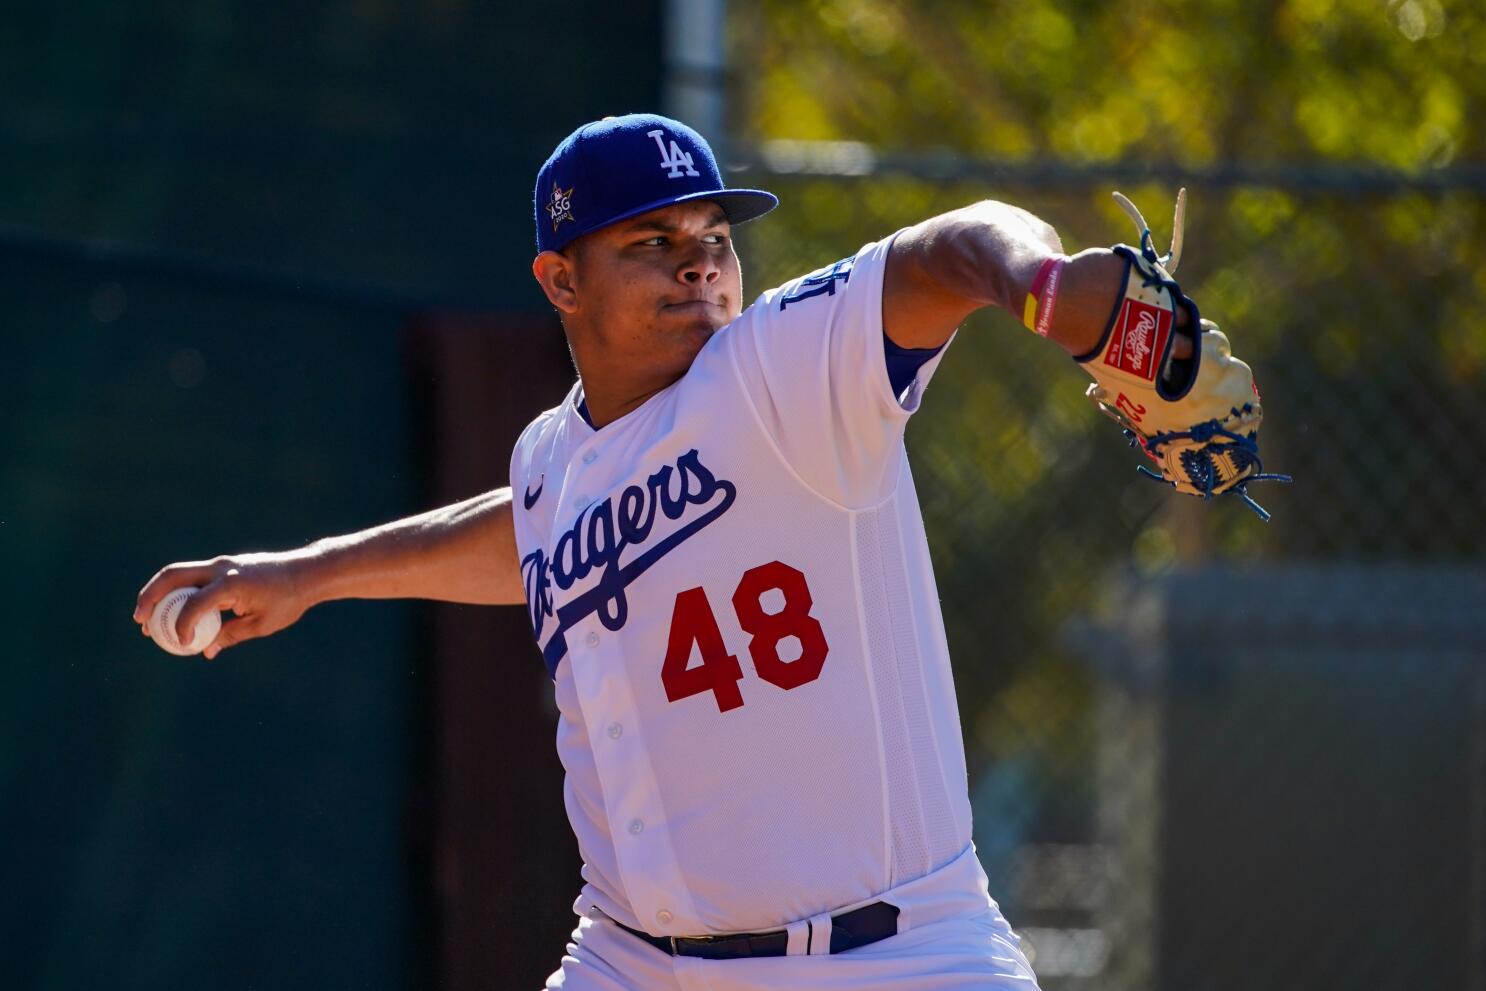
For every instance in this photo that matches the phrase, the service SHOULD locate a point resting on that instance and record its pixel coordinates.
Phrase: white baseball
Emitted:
(168, 610)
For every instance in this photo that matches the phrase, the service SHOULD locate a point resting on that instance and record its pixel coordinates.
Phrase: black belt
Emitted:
(859, 927)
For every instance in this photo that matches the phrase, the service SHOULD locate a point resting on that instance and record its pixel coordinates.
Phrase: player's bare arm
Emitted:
(988, 254)
(465, 552)
(1118, 311)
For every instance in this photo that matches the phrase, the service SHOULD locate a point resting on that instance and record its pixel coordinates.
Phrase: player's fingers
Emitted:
(232, 632)
(1178, 369)
(1181, 348)
(170, 578)
(215, 596)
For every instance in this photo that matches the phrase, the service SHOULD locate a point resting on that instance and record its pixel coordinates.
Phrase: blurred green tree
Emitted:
(1350, 274)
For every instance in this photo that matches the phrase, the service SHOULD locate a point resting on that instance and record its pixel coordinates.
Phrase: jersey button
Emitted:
(615, 731)
(664, 917)
(592, 639)
(636, 826)
(590, 457)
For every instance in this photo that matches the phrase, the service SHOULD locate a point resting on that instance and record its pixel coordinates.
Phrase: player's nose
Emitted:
(699, 267)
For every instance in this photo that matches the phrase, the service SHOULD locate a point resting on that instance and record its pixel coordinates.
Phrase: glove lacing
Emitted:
(1202, 474)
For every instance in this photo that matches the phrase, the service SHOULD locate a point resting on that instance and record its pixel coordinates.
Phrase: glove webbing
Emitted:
(1198, 465)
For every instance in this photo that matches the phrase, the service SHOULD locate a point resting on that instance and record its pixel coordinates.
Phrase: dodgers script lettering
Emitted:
(600, 537)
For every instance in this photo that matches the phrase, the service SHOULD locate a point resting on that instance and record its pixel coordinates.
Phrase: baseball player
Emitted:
(718, 543)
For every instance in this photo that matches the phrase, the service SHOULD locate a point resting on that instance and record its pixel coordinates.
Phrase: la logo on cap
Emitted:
(675, 159)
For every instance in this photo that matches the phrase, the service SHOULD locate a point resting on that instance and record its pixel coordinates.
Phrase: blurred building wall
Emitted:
(504, 865)
(1291, 787)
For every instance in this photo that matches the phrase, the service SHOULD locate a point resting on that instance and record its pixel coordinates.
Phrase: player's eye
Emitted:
(658, 241)
(717, 239)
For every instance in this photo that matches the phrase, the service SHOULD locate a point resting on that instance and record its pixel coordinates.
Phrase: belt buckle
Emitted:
(676, 940)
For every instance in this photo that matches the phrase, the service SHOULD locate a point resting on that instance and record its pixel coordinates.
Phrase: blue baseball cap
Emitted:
(620, 167)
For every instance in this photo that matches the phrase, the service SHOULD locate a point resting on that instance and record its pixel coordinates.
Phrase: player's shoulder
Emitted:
(803, 312)
(540, 437)
(857, 274)
(541, 425)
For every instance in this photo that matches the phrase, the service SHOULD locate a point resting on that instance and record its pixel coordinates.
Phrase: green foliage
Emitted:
(1352, 80)
(1363, 312)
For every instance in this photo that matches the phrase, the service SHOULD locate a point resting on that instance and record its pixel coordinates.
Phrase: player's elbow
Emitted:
(943, 254)
(984, 253)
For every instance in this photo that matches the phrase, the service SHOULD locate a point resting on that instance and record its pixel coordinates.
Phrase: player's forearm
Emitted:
(465, 552)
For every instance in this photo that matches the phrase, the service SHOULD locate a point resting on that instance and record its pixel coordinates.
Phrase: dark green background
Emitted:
(243, 823)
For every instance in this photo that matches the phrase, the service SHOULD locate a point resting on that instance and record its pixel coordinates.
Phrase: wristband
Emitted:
(1037, 314)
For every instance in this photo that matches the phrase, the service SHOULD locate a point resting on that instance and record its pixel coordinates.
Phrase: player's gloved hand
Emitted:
(263, 590)
(1197, 418)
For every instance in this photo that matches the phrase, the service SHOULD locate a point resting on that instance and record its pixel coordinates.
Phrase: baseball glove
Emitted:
(1197, 419)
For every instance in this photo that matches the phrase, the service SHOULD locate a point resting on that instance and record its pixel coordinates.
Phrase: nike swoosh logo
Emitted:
(530, 498)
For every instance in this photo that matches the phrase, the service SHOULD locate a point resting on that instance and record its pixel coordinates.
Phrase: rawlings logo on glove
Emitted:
(1197, 419)
(1139, 330)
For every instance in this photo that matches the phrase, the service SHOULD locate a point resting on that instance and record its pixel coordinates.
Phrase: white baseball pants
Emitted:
(978, 951)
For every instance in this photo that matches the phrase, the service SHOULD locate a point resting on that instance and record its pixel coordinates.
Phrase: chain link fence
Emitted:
(1205, 752)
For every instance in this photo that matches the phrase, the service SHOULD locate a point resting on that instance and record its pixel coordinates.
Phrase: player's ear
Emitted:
(554, 271)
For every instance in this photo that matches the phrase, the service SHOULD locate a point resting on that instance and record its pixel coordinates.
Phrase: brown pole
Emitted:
(488, 826)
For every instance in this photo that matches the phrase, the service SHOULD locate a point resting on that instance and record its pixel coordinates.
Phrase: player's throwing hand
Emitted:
(262, 590)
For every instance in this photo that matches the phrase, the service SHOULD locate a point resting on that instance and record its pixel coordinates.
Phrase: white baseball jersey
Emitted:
(732, 590)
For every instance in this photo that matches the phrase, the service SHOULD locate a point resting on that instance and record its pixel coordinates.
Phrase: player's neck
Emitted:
(616, 382)
(608, 401)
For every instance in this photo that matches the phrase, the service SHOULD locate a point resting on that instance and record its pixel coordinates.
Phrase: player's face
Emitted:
(650, 291)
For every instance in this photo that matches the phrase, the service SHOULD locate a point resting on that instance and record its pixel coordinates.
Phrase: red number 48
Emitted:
(692, 622)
